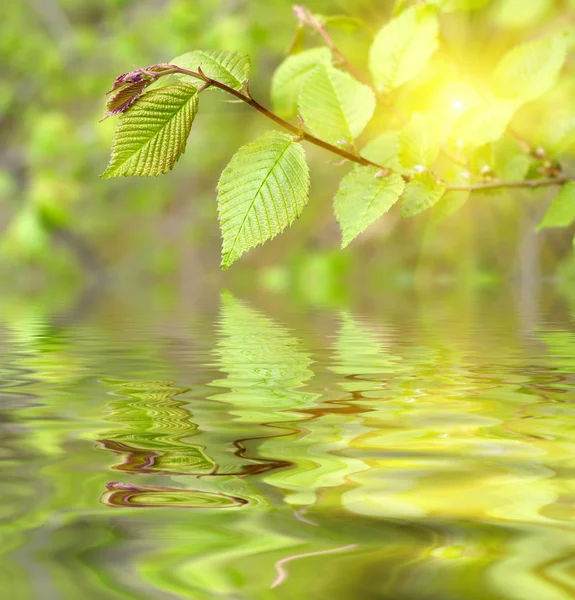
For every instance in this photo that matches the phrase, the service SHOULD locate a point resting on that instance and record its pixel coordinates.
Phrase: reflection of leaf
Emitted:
(154, 426)
(264, 363)
(361, 355)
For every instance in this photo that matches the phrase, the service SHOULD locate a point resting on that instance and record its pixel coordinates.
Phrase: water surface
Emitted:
(257, 450)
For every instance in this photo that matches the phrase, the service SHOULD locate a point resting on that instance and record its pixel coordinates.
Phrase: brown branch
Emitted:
(306, 17)
(297, 131)
(495, 185)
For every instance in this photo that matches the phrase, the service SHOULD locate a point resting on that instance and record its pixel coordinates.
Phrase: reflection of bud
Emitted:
(127, 88)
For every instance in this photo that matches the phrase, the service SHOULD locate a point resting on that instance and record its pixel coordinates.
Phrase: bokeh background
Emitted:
(62, 226)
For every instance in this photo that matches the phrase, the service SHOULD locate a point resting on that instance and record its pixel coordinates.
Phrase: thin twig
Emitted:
(494, 185)
(306, 17)
(356, 158)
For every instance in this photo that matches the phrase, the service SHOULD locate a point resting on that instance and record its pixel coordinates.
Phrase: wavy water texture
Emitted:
(270, 455)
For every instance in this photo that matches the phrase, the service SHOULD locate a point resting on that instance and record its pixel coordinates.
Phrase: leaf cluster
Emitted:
(423, 161)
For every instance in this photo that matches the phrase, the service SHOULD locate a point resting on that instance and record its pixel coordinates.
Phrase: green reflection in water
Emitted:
(376, 459)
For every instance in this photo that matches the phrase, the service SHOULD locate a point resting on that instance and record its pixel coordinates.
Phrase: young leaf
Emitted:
(421, 193)
(362, 198)
(384, 150)
(334, 105)
(483, 123)
(290, 76)
(561, 212)
(403, 47)
(230, 68)
(261, 191)
(151, 136)
(418, 143)
(530, 70)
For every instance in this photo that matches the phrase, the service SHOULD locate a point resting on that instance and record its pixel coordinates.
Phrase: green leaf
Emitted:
(557, 136)
(403, 47)
(455, 5)
(448, 205)
(384, 150)
(561, 212)
(261, 191)
(511, 163)
(151, 136)
(290, 76)
(483, 123)
(362, 198)
(530, 70)
(521, 14)
(230, 68)
(418, 143)
(335, 106)
(421, 193)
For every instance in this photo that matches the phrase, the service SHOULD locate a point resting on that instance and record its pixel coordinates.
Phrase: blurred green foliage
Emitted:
(59, 219)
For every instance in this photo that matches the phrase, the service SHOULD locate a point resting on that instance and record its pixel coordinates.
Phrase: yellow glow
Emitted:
(457, 105)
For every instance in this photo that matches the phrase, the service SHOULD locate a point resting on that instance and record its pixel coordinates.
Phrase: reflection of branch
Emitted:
(282, 575)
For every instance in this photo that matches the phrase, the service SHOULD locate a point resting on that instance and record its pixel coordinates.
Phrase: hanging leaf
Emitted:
(290, 76)
(530, 70)
(418, 143)
(447, 206)
(334, 105)
(421, 193)
(403, 47)
(384, 150)
(151, 136)
(561, 212)
(362, 198)
(261, 191)
(483, 123)
(230, 68)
